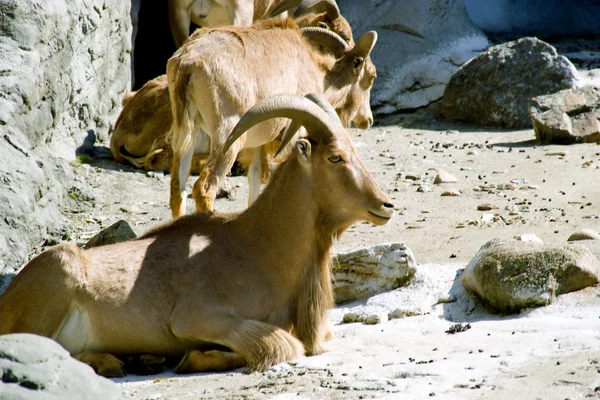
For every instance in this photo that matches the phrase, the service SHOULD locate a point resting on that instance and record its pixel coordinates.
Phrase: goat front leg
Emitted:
(179, 20)
(256, 344)
(255, 174)
(180, 170)
(241, 12)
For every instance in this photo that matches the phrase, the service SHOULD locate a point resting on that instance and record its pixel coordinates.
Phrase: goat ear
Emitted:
(365, 44)
(304, 149)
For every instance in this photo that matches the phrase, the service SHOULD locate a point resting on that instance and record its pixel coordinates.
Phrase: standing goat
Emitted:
(140, 133)
(219, 74)
(256, 282)
(215, 13)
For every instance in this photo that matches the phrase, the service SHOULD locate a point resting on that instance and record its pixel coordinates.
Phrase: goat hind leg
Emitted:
(216, 167)
(180, 169)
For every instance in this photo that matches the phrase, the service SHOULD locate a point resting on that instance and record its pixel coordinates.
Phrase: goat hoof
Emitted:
(104, 364)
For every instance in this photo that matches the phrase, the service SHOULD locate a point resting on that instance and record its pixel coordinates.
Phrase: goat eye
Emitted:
(323, 25)
(358, 61)
(335, 159)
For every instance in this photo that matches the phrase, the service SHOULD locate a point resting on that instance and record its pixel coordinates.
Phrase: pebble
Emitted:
(558, 153)
(352, 317)
(584, 234)
(451, 193)
(424, 189)
(373, 319)
(529, 237)
(486, 207)
(444, 177)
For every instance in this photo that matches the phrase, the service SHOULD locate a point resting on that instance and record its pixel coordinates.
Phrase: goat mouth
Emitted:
(381, 218)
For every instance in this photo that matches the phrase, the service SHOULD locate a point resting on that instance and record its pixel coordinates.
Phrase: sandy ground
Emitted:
(550, 191)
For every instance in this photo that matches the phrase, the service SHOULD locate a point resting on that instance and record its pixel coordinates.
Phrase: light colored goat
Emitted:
(215, 13)
(219, 74)
(139, 135)
(256, 282)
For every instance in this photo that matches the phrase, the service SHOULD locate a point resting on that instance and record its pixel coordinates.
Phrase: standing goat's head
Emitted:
(350, 79)
(341, 187)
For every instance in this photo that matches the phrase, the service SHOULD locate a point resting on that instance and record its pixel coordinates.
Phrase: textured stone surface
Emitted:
(368, 271)
(118, 232)
(37, 368)
(511, 275)
(65, 65)
(413, 71)
(568, 116)
(494, 88)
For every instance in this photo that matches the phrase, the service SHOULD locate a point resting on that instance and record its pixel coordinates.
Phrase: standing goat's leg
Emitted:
(180, 170)
(241, 12)
(218, 164)
(255, 175)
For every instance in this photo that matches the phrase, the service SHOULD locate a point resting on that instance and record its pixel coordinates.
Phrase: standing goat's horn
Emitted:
(301, 110)
(329, 39)
(284, 6)
(331, 6)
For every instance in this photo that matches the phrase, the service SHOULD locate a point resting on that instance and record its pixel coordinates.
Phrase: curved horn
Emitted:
(333, 10)
(322, 102)
(297, 108)
(284, 6)
(329, 39)
(365, 44)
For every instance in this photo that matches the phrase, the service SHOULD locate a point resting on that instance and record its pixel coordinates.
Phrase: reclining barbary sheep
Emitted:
(215, 13)
(218, 74)
(257, 283)
(139, 136)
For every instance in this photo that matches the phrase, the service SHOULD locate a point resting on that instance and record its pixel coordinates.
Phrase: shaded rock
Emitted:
(506, 76)
(510, 276)
(368, 271)
(486, 207)
(118, 232)
(568, 116)
(413, 70)
(443, 177)
(584, 234)
(550, 18)
(34, 367)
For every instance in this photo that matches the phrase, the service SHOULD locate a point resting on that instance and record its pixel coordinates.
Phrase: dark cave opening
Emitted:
(154, 44)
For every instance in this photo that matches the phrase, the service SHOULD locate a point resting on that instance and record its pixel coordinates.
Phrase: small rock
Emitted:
(412, 177)
(584, 234)
(451, 193)
(373, 319)
(352, 317)
(444, 177)
(558, 153)
(529, 237)
(118, 232)
(486, 207)
(424, 189)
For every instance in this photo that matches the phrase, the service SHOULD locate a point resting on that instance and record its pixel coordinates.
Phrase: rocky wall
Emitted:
(64, 66)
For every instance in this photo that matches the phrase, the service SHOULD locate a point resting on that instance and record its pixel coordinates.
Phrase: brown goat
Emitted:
(218, 74)
(256, 282)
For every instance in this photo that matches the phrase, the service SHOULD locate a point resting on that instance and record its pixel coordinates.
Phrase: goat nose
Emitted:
(388, 205)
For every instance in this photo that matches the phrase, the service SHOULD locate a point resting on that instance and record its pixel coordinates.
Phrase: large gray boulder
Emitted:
(367, 271)
(65, 66)
(494, 88)
(413, 71)
(510, 276)
(36, 368)
(568, 116)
